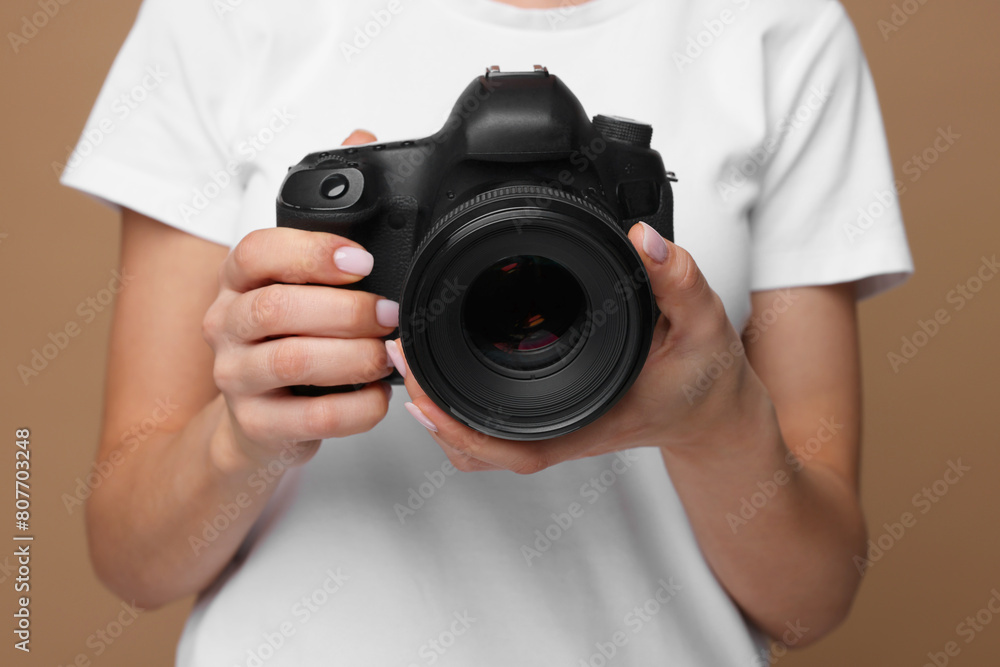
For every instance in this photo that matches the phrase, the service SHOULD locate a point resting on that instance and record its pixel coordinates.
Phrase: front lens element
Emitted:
(524, 313)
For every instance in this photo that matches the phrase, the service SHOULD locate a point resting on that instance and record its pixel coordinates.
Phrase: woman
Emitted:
(715, 505)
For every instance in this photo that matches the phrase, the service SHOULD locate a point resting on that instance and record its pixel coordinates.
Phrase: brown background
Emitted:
(938, 71)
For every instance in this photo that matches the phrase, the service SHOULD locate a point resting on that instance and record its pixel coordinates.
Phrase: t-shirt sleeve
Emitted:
(158, 139)
(828, 209)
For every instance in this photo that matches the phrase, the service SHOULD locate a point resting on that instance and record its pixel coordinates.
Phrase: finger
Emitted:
(520, 456)
(681, 290)
(359, 137)
(283, 418)
(463, 461)
(310, 310)
(297, 360)
(285, 255)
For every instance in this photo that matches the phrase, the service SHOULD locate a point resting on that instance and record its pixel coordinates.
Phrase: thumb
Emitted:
(681, 290)
(359, 137)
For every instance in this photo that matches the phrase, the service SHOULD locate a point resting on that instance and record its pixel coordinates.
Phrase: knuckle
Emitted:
(529, 464)
(320, 249)
(689, 277)
(374, 359)
(353, 310)
(212, 324)
(310, 256)
(251, 422)
(225, 372)
(718, 310)
(268, 307)
(463, 463)
(468, 448)
(322, 417)
(249, 248)
(382, 405)
(375, 409)
(286, 361)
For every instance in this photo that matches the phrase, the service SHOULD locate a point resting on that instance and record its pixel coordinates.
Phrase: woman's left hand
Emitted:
(696, 381)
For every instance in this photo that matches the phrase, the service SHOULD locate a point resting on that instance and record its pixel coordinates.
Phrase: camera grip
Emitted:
(386, 231)
(663, 220)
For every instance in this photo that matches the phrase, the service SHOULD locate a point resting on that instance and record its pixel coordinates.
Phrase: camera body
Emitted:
(518, 172)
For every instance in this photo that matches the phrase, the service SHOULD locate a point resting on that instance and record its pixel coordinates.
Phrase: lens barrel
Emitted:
(526, 313)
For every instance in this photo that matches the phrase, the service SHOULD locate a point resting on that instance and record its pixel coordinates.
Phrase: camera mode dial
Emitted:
(624, 130)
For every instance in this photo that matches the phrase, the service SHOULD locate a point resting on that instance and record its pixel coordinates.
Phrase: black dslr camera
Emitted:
(525, 311)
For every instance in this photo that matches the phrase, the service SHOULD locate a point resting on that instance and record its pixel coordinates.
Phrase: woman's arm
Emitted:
(164, 482)
(781, 529)
(184, 458)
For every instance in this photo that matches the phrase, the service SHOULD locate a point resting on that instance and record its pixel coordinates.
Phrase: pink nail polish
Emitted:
(653, 244)
(387, 313)
(419, 415)
(395, 357)
(353, 260)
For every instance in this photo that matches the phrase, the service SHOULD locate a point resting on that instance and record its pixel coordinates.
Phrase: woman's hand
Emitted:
(699, 401)
(277, 323)
(670, 405)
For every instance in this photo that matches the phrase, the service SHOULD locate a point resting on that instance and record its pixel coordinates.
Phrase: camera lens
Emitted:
(524, 312)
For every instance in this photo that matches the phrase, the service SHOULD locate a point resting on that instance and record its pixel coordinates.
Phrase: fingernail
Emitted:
(420, 417)
(353, 260)
(395, 357)
(387, 313)
(653, 244)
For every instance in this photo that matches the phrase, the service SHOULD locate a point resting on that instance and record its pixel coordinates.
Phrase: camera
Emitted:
(525, 312)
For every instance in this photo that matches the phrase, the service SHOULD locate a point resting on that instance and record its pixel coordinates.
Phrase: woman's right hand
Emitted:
(277, 322)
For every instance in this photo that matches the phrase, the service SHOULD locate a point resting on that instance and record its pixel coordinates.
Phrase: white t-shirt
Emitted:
(377, 552)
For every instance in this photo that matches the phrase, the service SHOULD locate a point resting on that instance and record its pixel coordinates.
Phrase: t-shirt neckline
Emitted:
(571, 14)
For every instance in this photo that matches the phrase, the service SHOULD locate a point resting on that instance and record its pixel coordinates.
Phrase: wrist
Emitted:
(234, 456)
(231, 454)
(744, 425)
